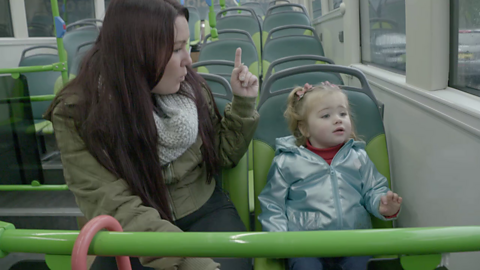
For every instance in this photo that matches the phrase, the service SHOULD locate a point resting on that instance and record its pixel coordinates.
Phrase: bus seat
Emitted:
(74, 69)
(221, 89)
(256, 7)
(295, 61)
(218, 67)
(234, 180)
(273, 20)
(284, 46)
(74, 38)
(275, 2)
(225, 47)
(247, 20)
(281, 8)
(40, 83)
(77, 59)
(272, 104)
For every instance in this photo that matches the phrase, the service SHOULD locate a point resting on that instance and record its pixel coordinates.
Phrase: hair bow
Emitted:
(300, 93)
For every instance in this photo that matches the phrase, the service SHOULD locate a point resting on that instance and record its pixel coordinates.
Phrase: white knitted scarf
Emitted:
(177, 127)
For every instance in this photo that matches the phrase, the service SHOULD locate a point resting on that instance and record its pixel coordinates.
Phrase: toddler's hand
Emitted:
(389, 204)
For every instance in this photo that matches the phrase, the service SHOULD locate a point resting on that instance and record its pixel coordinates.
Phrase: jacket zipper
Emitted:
(334, 179)
(337, 200)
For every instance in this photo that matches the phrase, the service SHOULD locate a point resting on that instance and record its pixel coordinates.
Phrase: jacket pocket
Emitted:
(304, 220)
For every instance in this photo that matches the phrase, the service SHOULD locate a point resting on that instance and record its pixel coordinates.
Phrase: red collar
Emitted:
(326, 153)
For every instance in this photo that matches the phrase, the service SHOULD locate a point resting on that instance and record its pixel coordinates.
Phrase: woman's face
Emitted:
(176, 68)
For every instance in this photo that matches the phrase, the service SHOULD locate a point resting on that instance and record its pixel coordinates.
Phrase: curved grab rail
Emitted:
(221, 80)
(293, 26)
(80, 249)
(365, 87)
(213, 62)
(272, 3)
(84, 25)
(83, 45)
(223, 13)
(229, 31)
(411, 241)
(37, 47)
(296, 58)
(271, 8)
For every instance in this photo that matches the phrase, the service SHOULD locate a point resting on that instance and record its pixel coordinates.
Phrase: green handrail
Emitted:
(27, 99)
(411, 241)
(34, 186)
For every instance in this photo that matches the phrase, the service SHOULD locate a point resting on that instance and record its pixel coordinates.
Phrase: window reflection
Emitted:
(468, 66)
(40, 20)
(6, 29)
(384, 39)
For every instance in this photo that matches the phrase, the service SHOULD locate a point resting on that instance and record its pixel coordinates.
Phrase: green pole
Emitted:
(19, 70)
(213, 23)
(411, 241)
(34, 186)
(61, 50)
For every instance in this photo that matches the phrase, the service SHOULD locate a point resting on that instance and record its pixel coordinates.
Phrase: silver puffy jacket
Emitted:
(305, 193)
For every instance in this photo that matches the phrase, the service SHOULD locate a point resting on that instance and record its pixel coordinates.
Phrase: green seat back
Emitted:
(234, 180)
(224, 49)
(40, 83)
(246, 21)
(286, 46)
(73, 39)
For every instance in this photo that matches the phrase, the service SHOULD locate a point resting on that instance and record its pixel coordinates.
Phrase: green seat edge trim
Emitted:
(262, 153)
(235, 182)
(202, 69)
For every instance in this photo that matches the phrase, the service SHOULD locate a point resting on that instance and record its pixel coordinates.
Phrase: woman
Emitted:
(140, 136)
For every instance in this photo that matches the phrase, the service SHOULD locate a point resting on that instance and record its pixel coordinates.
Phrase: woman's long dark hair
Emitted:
(115, 114)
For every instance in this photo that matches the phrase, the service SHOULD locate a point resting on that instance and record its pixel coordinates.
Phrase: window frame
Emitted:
(373, 64)
(453, 67)
(9, 10)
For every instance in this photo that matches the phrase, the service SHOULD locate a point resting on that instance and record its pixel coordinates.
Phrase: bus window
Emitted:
(39, 15)
(467, 75)
(6, 29)
(383, 34)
